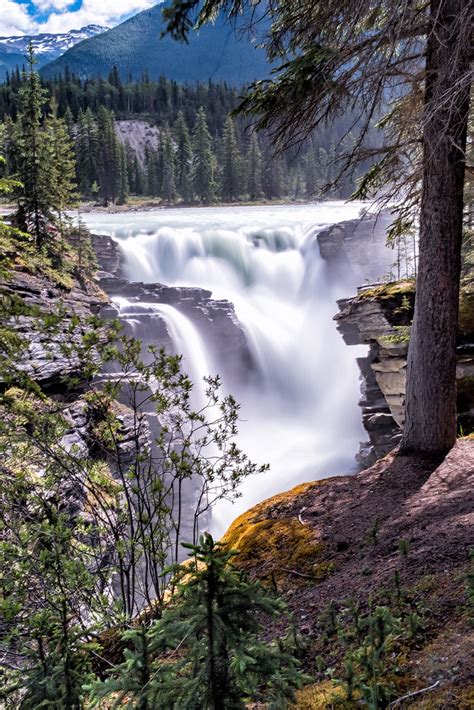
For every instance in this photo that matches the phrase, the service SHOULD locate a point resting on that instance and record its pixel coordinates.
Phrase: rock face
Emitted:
(379, 317)
(139, 135)
(44, 360)
(108, 255)
(362, 321)
(357, 250)
(358, 246)
(215, 319)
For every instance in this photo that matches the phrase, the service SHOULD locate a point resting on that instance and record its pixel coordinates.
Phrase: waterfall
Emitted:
(186, 339)
(299, 412)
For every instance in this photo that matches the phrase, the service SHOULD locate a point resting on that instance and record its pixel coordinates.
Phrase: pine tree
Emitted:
(231, 163)
(136, 178)
(68, 119)
(168, 181)
(310, 173)
(153, 172)
(60, 161)
(87, 151)
(8, 144)
(34, 210)
(110, 156)
(123, 187)
(297, 191)
(203, 160)
(222, 662)
(272, 177)
(184, 159)
(254, 163)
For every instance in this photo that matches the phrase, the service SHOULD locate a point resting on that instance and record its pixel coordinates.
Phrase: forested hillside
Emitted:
(137, 45)
(200, 154)
(9, 60)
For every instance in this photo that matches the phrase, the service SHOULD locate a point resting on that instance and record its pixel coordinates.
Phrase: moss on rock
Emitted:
(389, 291)
(396, 299)
(319, 696)
(273, 542)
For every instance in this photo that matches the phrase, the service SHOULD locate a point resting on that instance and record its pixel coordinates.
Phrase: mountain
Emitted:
(9, 60)
(215, 52)
(47, 46)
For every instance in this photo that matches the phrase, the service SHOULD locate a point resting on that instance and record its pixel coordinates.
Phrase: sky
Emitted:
(18, 17)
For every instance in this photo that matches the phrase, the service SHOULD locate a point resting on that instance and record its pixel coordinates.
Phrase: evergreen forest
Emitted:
(208, 500)
(194, 150)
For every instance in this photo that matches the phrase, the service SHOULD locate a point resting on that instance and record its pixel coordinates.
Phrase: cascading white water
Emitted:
(187, 340)
(300, 413)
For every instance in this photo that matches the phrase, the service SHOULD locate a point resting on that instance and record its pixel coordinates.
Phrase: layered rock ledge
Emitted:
(215, 319)
(44, 359)
(380, 316)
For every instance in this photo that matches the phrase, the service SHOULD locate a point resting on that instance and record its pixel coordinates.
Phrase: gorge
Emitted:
(250, 293)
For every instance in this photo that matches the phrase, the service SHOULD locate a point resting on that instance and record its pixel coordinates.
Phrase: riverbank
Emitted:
(396, 536)
(148, 205)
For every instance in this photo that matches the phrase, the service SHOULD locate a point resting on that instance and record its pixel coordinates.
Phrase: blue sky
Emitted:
(19, 17)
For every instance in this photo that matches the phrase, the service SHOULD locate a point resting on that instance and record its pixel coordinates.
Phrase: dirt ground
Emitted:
(347, 538)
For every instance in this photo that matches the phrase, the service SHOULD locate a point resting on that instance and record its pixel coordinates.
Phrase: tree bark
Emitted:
(431, 376)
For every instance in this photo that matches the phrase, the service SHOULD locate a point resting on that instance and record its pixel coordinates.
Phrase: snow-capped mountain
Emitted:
(49, 46)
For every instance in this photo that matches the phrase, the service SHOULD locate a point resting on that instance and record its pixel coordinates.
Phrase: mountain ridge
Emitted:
(136, 46)
(47, 46)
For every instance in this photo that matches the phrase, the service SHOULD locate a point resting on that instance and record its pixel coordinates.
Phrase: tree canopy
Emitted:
(406, 66)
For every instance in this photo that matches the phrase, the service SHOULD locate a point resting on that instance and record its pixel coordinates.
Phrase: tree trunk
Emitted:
(431, 378)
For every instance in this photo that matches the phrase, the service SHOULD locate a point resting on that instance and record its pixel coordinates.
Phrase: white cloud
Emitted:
(14, 18)
(97, 12)
(45, 5)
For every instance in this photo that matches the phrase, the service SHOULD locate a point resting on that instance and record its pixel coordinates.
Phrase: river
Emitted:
(300, 408)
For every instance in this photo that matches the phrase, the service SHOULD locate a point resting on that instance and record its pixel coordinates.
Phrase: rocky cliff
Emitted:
(380, 316)
(358, 248)
(43, 359)
(215, 319)
(47, 311)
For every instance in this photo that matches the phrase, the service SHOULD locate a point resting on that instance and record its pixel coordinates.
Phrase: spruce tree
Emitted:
(168, 181)
(184, 159)
(206, 652)
(231, 163)
(34, 209)
(110, 156)
(87, 151)
(69, 120)
(203, 160)
(310, 173)
(59, 156)
(153, 172)
(123, 185)
(254, 168)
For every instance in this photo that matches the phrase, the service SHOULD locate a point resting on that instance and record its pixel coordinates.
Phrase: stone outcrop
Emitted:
(109, 256)
(215, 319)
(358, 247)
(44, 358)
(380, 316)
